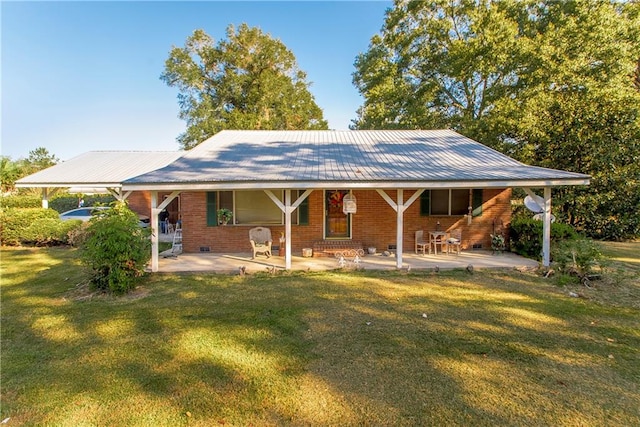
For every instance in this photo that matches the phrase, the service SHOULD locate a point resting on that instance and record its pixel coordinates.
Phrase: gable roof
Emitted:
(101, 169)
(355, 159)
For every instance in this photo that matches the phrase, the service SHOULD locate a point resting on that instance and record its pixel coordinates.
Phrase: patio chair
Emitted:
(261, 241)
(420, 243)
(454, 240)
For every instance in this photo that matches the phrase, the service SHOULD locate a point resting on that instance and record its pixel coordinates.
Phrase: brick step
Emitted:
(328, 248)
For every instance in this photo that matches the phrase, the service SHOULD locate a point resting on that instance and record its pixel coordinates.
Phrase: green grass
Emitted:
(492, 348)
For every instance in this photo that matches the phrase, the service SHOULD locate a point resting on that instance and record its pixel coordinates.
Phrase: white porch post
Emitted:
(546, 228)
(45, 198)
(399, 207)
(399, 228)
(154, 231)
(287, 229)
(287, 208)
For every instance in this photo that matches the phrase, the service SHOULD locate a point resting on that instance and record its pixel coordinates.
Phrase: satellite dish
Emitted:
(540, 217)
(534, 204)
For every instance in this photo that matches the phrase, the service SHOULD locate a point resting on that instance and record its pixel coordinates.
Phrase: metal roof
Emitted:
(99, 169)
(317, 159)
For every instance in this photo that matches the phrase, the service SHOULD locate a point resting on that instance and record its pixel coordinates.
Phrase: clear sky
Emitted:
(81, 76)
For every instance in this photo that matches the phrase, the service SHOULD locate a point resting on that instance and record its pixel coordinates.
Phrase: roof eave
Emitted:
(67, 184)
(253, 185)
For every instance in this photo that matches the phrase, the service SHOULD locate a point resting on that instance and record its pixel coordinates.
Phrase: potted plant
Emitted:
(497, 243)
(224, 216)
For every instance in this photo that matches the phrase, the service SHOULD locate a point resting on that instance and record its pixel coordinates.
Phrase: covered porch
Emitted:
(232, 263)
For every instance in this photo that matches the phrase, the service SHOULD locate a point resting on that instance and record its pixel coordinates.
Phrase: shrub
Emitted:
(116, 249)
(48, 231)
(78, 235)
(14, 221)
(34, 226)
(66, 202)
(526, 236)
(21, 201)
(577, 257)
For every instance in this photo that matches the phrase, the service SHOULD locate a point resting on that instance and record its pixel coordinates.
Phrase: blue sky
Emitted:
(81, 76)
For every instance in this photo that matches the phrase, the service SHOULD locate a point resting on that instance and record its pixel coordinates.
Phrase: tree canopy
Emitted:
(249, 81)
(553, 83)
(13, 170)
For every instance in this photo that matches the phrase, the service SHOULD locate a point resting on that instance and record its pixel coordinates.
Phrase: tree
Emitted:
(13, 170)
(249, 81)
(10, 172)
(579, 110)
(438, 64)
(552, 83)
(40, 159)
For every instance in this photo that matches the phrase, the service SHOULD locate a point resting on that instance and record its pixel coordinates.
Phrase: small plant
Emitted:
(497, 243)
(116, 249)
(577, 258)
(224, 216)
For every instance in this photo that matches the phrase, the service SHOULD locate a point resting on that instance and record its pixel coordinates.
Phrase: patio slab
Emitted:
(231, 263)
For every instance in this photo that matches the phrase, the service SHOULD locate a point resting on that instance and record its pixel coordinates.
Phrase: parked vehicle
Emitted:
(85, 214)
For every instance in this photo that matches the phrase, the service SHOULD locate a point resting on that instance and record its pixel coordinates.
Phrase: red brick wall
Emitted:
(140, 202)
(374, 224)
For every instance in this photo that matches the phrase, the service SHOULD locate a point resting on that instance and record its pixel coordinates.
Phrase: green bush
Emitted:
(67, 202)
(34, 226)
(526, 236)
(577, 257)
(48, 231)
(21, 201)
(14, 222)
(116, 249)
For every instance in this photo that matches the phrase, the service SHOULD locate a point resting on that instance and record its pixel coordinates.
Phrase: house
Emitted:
(298, 183)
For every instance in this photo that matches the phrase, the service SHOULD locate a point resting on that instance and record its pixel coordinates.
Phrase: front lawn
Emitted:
(319, 349)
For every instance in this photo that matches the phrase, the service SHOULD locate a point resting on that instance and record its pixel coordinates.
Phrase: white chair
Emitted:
(261, 241)
(454, 240)
(420, 243)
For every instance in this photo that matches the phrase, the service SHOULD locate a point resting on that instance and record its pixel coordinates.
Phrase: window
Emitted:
(450, 202)
(254, 207)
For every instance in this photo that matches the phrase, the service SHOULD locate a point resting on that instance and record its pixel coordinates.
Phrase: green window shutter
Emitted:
(303, 211)
(212, 208)
(425, 203)
(477, 202)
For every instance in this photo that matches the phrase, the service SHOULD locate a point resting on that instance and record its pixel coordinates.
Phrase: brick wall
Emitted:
(140, 202)
(374, 224)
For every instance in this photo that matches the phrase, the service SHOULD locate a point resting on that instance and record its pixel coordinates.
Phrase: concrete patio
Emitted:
(231, 263)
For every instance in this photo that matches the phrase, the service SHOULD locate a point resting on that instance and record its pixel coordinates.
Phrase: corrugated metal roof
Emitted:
(281, 157)
(99, 169)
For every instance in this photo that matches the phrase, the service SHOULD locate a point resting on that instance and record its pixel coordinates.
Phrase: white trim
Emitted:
(345, 185)
(154, 231)
(546, 228)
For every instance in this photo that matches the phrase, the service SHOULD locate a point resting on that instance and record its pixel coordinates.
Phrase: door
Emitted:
(337, 223)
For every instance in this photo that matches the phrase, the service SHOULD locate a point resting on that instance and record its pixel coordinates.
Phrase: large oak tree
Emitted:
(552, 82)
(248, 81)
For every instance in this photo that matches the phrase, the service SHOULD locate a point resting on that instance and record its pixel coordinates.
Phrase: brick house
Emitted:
(297, 183)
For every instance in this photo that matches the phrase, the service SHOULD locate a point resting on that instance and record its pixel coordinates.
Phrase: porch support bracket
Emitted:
(399, 207)
(155, 210)
(117, 193)
(287, 208)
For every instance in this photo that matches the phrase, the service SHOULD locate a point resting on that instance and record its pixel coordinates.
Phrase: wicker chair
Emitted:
(261, 241)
